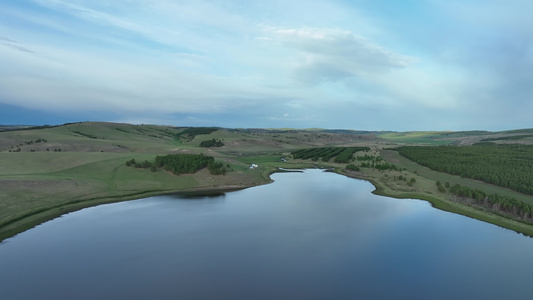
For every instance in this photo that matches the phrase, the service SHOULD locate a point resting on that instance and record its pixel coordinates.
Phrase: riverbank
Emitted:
(441, 202)
(36, 217)
(27, 201)
(313, 221)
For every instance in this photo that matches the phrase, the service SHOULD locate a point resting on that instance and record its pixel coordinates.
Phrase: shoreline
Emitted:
(450, 206)
(35, 218)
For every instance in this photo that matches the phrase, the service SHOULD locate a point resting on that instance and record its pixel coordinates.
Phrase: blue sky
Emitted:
(360, 64)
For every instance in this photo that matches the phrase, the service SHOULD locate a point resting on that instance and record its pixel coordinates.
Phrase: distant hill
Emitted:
(522, 136)
(14, 127)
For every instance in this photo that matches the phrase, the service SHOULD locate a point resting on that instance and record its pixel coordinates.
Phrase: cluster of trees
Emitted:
(382, 166)
(36, 141)
(143, 164)
(212, 143)
(32, 150)
(217, 168)
(441, 187)
(503, 165)
(341, 154)
(189, 133)
(352, 167)
(376, 162)
(181, 164)
(18, 149)
(494, 202)
(410, 182)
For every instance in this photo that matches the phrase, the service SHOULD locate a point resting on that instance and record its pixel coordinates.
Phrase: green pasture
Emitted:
(90, 169)
(416, 137)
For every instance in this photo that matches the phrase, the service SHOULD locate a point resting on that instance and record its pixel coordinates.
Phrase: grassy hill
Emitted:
(47, 171)
(523, 136)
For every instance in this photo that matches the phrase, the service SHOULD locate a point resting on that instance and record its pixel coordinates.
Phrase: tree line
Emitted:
(181, 164)
(508, 166)
(341, 154)
(492, 202)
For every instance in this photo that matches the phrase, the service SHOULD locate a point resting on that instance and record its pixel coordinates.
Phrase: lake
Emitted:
(310, 235)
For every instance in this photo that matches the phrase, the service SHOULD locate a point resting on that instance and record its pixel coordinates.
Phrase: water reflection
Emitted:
(311, 235)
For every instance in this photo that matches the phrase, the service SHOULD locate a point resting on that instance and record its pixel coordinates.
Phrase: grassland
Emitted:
(50, 171)
(419, 137)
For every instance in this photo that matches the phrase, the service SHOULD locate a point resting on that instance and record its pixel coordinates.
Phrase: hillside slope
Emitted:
(47, 171)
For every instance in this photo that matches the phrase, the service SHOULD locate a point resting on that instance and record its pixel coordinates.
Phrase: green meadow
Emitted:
(46, 172)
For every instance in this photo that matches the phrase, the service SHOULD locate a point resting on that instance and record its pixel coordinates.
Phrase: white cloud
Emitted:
(263, 58)
(332, 55)
(347, 67)
(169, 23)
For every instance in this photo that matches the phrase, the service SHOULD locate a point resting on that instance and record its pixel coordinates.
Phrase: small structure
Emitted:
(253, 166)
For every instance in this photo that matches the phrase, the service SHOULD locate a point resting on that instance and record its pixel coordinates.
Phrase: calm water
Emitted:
(311, 235)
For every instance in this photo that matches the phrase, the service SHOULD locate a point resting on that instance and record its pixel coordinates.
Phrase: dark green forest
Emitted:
(182, 164)
(341, 154)
(211, 143)
(509, 166)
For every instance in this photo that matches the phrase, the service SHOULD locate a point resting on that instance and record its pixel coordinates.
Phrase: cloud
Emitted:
(260, 61)
(164, 24)
(334, 55)
(14, 44)
(345, 66)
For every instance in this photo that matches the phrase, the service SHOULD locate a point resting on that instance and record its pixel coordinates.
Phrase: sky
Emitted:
(358, 64)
